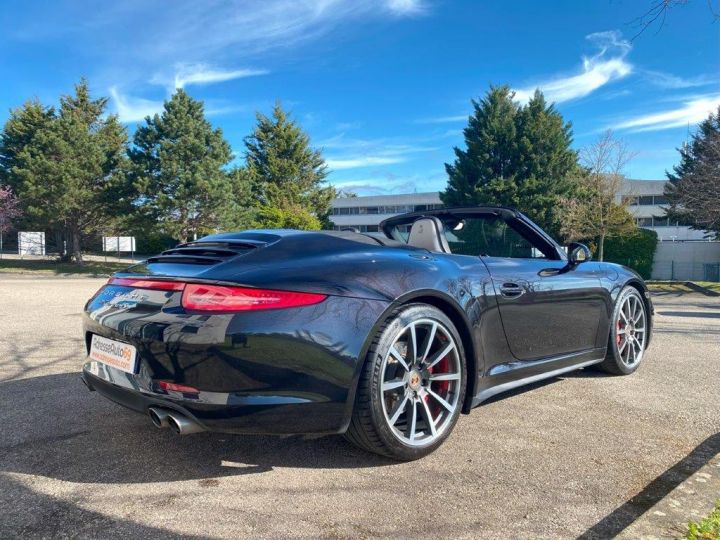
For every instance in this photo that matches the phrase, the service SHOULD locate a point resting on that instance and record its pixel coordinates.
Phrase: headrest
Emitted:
(427, 233)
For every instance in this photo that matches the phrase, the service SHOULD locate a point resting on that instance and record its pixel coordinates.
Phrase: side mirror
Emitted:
(578, 253)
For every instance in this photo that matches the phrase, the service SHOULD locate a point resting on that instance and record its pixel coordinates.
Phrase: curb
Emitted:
(699, 288)
(692, 500)
(689, 284)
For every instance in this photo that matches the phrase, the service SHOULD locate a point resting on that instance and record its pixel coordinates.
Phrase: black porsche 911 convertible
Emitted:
(385, 337)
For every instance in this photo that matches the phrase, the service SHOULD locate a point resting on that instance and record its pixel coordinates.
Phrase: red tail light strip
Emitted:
(154, 284)
(199, 297)
(221, 298)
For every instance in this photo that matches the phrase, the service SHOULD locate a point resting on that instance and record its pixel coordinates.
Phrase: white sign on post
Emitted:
(31, 243)
(119, 243)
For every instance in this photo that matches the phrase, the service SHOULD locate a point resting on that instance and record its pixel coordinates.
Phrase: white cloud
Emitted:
(443, 119)
(606, 66)
(673, 82)
(691, 112)
(195, 32)
(364, 161)
(359, 153)
(186, 74)
(133, 109)
(406, 7)
(177, 44)
(388, 183)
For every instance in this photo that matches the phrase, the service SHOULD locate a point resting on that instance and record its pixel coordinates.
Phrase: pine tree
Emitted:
(485, 172)
(18, 132)
(515, 156)
(70, 172)
(240, 211)
(548, 166)
(694, 187)
(179, 165)
(287, 175)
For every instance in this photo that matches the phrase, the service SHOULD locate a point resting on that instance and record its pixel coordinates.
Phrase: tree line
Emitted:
(74, 172)
(521, 156)
(77, 173)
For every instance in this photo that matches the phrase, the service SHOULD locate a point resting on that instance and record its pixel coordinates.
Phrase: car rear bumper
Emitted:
(219, 411)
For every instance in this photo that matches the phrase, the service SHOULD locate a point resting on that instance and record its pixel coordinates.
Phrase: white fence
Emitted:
(686, 261)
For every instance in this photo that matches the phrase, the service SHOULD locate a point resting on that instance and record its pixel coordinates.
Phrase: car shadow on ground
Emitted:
(692, 314)
(620, 518)
(46, 516)
(54, 427)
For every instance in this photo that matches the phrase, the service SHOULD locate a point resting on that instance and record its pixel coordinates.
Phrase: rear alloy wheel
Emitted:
(628, 335)
(412, 387)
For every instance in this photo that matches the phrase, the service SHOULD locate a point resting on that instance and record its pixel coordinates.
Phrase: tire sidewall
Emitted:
(388, 334)
(612, 344)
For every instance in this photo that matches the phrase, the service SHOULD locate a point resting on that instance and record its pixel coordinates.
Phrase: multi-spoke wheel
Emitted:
(412, 387)
(628, 335)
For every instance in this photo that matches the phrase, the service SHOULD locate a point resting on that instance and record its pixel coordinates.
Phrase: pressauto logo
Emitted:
(123, 351)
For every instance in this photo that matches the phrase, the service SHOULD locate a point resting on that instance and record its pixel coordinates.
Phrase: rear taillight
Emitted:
(199, 297)
(154, 284)
(221, 298)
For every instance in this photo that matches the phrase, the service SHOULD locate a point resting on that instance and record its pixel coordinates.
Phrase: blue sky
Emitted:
(382, 86)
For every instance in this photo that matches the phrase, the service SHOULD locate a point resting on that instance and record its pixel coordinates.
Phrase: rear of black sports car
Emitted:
(244, 333)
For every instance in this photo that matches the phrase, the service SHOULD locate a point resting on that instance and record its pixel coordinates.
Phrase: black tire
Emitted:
(615, 362)
(370, 426)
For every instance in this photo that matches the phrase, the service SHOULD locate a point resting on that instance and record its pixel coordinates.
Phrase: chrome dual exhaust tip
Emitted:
(179, 423)
(159, 417)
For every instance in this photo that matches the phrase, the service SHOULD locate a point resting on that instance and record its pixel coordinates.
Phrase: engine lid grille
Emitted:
(205, 253)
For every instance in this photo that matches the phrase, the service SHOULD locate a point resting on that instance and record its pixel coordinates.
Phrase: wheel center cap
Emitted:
(414, 380)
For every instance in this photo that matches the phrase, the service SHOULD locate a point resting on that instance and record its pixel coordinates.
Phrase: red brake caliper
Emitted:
(441, 387)
(619, 327)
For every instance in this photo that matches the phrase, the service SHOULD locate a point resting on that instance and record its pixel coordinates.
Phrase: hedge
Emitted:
(636, 251)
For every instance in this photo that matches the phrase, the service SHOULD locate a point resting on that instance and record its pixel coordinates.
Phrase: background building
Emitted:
(365, 213)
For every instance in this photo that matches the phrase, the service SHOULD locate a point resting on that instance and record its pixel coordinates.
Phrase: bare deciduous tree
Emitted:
(658, 12)
(601, 209)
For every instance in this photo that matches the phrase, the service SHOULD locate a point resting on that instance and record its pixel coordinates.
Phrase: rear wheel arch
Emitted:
(372, 425)
(644, 294)
(450, 308)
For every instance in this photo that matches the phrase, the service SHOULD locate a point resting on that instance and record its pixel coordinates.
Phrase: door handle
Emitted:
(511, 290)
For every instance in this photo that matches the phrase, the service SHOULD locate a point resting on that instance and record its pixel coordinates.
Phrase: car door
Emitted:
(547, 307)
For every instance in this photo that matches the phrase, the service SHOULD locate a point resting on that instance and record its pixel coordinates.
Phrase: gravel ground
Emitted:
(581, 455)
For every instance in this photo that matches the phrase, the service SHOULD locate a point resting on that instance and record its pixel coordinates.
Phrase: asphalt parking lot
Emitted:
(579, 455)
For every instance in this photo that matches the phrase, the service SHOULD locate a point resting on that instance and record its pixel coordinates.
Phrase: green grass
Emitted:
(669, 287)
(712, 285)
(679, 286)
(706, 529)
(50, 268)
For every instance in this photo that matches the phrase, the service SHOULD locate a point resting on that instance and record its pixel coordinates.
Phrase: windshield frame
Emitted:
(514, 219)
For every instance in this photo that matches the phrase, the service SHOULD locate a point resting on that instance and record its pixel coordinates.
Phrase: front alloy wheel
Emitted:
(412, 387)
(628, 335)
